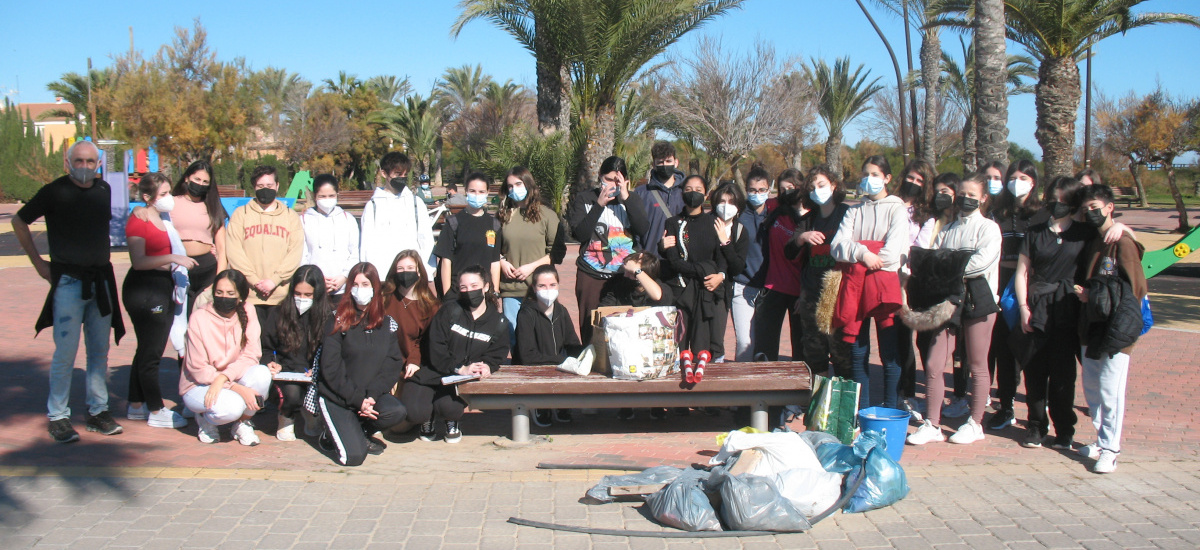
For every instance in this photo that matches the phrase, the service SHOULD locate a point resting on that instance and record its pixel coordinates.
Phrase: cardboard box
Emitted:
(600, 339)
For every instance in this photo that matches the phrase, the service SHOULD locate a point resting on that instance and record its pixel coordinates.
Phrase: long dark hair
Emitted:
(348, 315)
(532, 209)
(879, 161)
(1068, 187)
(1007, 205)
(922, 204)
(427, 303)
(243, 289)
(296, 330)
(483, 276)
(212, 199)
(839, 191)
(732, 189)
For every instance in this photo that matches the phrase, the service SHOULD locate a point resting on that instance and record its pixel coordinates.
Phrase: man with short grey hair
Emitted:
(83, 288)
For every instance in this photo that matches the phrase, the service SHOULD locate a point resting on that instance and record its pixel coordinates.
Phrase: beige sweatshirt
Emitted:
(265, 245)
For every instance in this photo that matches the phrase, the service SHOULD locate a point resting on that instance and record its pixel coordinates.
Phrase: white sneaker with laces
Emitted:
(958, 408)
(166, 418)
(969, 432)
(137, 413)
(206, 432)
(286, 430)
(926, 433)
(1106, 464)
(1091, 451)
(243, 432)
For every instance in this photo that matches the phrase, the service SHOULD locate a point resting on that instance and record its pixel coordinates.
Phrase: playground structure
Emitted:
(1156, 261)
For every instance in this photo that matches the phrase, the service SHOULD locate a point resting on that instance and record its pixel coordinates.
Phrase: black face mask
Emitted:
(399, 183)
(967, 205)
(265, 195)
(942, 201)
(1095, 217)
(197, 190)
(1059, 210)
(225, 305)
(471, 298)
(406, 279)
(910, 189)
(664, 173)
(692, 199)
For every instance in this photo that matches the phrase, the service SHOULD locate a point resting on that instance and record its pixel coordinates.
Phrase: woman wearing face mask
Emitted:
(530, 229)
(606, 221)
(467, 337)
(781, 282)
(330, 236)
(945, 189)
(748, 284)
(699, 251)
(545, 333)
(975, 232)
(290, 338)
(200, 220)
(408, 300)
(360, 363)
(872, 241)
(827, 207)
(148, 294)
(916, 190)
(994, 171)
(223, 379)
(471, 237)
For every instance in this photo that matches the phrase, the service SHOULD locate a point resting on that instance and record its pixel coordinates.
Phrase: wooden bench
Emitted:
(233, 191)
(523, 388)
(355, 199)
(1127, 194)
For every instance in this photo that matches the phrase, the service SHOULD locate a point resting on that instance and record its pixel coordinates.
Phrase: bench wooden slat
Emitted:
(718, 377)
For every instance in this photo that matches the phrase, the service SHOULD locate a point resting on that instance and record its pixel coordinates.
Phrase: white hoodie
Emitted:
(393, 223)
(330, 241)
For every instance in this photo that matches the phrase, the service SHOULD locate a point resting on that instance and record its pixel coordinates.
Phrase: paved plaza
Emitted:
(155, 488)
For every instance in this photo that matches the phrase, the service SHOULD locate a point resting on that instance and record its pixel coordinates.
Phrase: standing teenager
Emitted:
(781, 282)
(470, 237)
(265, 242)
(662, 195)
(916, 190)
(199, 218)
(530, 230)
(330, 235)
(747, 285)
(395, 219)
(826, 208)
(290, 339)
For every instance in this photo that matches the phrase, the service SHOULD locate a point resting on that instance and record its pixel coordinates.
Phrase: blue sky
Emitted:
(410, 37)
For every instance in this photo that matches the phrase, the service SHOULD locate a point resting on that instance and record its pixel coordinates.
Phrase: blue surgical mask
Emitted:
(871, 185)
(477, 201)
(995, 186)
(518, 193)
(756, 199)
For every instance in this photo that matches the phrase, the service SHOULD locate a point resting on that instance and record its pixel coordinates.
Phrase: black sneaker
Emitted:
(427, 433)
(104, 424)
(541, 418)
(658, 413)
(453, 434)
(1061, 442)
(375, 446)
(1003, 418)
(562, 416)
(1033, 438)
(625, 414)
(62, 432)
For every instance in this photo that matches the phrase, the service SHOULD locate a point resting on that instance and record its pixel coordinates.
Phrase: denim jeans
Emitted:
(860, 356)
(743, 320)
(512, 306)
(71, 313)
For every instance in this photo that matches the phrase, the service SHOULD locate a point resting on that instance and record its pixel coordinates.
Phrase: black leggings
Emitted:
(200, 277)
(768, 325)
(148, 300)
(421, 402)
(291, 396)
(349, 431)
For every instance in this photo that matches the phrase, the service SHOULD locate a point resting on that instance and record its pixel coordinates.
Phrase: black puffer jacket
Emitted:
(1112, 316)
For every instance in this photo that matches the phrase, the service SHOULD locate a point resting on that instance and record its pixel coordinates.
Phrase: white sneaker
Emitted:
(1106, 464)
(166, 418)
(243, 432)
(926, 433)
(958, 408)
(287, 429)
(207, 433)
(969, 432)
(1090, 451)
(913, 406)
(137, 413)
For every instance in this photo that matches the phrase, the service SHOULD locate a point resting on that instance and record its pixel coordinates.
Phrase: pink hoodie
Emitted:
(214, 347)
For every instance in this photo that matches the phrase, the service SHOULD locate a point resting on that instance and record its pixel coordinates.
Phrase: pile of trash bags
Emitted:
(798, 480)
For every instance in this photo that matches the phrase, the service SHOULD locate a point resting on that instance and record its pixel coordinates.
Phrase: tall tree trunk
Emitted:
(833, 154)
(1137, 181)
(970, 160)
(599, 146)
(931, 54)
(553, 83)
(693, 166)
(991, 101)
(1169, 166)
(437, 150)
(735, 162)
(1057, 98)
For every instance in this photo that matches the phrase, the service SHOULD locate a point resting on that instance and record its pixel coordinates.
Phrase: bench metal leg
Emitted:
(520, 423)
(758, 416)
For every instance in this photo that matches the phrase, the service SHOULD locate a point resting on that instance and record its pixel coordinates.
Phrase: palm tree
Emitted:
(73, 88)
(841, 97)
(389, 88)
(345, 84)
(1057, 33)
(919, 14)
(413, 123)
(958, 83)
(455, 94)
(277, 89)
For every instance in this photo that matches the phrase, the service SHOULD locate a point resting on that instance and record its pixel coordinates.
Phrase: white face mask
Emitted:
(326, 205)
(303, 304)
(871, 185)
(1019, 188)
(547, 296)
(362, 295)
(726, 211)
(821, 195)
(165, 204)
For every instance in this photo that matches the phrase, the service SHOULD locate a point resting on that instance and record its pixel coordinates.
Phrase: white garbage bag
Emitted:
(782, 451)
(810, 491)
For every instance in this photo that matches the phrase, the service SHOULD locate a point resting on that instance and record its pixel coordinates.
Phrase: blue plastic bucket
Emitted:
(892, 423)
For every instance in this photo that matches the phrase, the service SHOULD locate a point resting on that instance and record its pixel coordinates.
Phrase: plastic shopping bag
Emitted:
(641, 345)
(581, 365)
(834, 407)
(885, 482)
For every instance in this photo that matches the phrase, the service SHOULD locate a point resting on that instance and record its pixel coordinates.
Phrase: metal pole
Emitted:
(91, 105)
(899, 80)
(1087, 115)
(912, 94)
